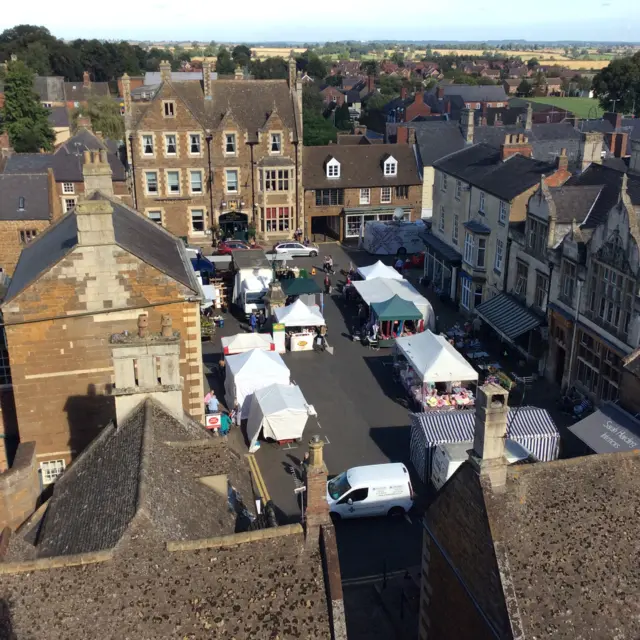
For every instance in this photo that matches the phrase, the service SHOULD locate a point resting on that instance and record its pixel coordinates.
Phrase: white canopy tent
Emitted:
(434, 359)
(250, 371)
(379, 270)
(299, 314)
(242, 342)
(279, 411)
(382, 289)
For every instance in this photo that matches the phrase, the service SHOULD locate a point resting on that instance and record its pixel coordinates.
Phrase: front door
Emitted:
(234, 225)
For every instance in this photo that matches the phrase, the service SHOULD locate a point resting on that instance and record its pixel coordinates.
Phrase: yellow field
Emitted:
(271, 52)
(586, 64)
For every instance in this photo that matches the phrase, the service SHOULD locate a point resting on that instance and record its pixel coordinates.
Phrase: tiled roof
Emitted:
(476, 93)
(574, 202)
(29, 190)
(59, 117)
(360, 166)
(49, 88)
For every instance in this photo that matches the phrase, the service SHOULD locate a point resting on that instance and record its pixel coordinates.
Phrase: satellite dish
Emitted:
(398, 214)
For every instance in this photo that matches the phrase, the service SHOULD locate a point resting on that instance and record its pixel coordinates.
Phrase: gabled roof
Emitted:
(33, 188)
(133, 232)
(49, 88)
(574, 202)
(476, 93)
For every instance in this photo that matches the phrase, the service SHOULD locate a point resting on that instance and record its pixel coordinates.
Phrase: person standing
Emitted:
(253, 321)
(327, 284)
(213, 404)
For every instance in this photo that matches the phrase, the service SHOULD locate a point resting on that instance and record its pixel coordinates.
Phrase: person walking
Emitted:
(213, 404)
(327, 284)
(253, 321)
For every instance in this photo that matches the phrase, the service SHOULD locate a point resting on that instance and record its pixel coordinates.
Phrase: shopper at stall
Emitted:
(212, 403)
(253, 321)
(399, 264)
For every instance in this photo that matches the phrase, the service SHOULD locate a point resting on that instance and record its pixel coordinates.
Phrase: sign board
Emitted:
(213, 420)
(278, 326)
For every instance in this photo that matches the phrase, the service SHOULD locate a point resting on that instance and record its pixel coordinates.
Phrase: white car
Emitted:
(291, 249)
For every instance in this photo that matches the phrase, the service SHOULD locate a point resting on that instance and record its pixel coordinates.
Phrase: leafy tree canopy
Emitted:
(275, 68)
(617, 86)
(524, 89)
(225, 64)
(241, 55)
(105, 117)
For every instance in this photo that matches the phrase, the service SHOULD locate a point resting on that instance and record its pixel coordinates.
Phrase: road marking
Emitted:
(289, 447)
(257, 476)
(327, 439)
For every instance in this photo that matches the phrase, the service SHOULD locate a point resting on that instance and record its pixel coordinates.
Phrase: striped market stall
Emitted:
(533, 429)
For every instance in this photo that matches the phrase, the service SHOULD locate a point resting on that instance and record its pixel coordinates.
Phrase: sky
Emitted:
(300, 21)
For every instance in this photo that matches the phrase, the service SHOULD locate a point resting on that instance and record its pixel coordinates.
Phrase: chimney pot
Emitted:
(167, 326)
(103, 156)
(86, 156)
(143, 325)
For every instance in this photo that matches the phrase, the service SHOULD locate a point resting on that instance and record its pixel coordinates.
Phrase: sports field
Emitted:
(581, 107)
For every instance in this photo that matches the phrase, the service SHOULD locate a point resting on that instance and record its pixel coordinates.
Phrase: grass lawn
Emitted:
(581, 107)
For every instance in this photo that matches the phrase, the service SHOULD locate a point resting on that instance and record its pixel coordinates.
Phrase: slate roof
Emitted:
(481, 166)
(574, 202)
(34, 188)
(59, 117)
(77, 92)
(476, 93)
(154, 78)
(49, 88)
(631, 126)
(360, 166)
(133, 232)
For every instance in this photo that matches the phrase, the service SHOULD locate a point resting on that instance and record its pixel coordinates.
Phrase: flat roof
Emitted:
(250, 259)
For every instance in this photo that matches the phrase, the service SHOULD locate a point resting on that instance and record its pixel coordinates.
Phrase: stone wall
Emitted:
(19, 487)
(10, 240)
(8, 425)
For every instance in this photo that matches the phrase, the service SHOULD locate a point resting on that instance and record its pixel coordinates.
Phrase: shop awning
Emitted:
(375, 210)
(396, 309)
(442, 249)
(609, 430)
(300, 286)
(507, 316)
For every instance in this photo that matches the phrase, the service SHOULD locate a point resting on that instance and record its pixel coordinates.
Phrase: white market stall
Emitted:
(242, 342)
(247, 372)
(425, 359)
(280, 412)
(301, 323)
(378, 270)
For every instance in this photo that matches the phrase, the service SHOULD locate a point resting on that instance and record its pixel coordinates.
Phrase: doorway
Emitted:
(234, 226)
(560, 357)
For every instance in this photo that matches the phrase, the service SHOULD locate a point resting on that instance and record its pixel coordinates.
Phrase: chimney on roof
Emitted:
(97, 173)
(467, 124)
(84, 122)
(440, 92)
(515, 143)
(528, 124)
(317, 512)
(492, 412)
(94, 219)
(590, 148)
(615, 119)
(165, 71)
(411, 136)
(206, 79)
(371, 83)
(419, 97)
(126, 94)
(562, 161)
(238, 74)
(404, 93)
(292, 68)
(86, 79)
(634, 159)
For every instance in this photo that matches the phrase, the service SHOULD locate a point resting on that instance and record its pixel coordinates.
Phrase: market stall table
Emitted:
(301, 323)
(396, 317)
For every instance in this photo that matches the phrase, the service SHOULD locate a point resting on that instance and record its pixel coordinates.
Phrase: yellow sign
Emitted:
(278, 327)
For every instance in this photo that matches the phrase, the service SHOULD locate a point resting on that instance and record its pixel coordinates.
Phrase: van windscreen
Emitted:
(339, 485)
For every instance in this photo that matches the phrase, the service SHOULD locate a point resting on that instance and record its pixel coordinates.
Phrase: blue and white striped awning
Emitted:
(507, 316)
(533, 428)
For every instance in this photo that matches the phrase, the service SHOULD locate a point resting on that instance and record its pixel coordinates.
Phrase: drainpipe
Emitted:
(253, 190)
(300, 221)
(133, 173)
(574, 337)
(209, 138)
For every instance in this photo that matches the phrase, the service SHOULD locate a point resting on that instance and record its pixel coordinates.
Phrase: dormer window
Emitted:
(390, 166)
(21, 203)
(333, 168)
(169, 109)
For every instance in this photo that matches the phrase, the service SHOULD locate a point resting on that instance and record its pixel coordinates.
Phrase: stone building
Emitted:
(346, 185)
(221, 154)
(91, 274)
(524, 551)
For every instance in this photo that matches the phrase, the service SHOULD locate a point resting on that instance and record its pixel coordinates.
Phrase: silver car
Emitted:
(292, 249)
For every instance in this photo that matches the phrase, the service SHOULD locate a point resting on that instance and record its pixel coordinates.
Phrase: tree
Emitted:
(370, 67)
(274, 68)
(241, 55)
(617, 86)
(224, 63)
(342, 119)
(317, 129)
(532, 63)
(398, 58)
(105, 117)
(315, 67)
(23, 117)
(524, 89)
(36, 58)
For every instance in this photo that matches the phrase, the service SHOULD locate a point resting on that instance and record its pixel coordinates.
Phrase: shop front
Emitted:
(356, 217)
(234, 225)
(441, 266)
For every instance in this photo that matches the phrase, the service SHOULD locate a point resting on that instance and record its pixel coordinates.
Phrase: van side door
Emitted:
(354, 504)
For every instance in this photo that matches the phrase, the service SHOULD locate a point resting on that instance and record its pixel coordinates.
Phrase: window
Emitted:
(48, 105)
(196, 181)
(51, 470)
(169, 109)
(482, 249)
(499, 255)
(147, 144)
(69, 204)
(27, 235)
(155, 216)
(21, 201)
(441, 219)
(230, 143)
(170, 148)
(390, 167)
(276, 143)
(454, 230)
(232, 180)
(194, 144)
(477, 295)
(469, 245)
(151, 182)
(333, 168)
(481, 203)
(402, 193)
(589, 361)
(536, 236)
(611, 297)
(68, 187)
(173, 183)
(5, 369)
(277, 219)
(542, 284)
(568, 281)
(355, 496)
(197, 221)
(522, 278)
(502, 214)
(385, 195)
(458, 189)
(365, 196)
(443, 184)
(276, 180)
(329, 197)
(465, 290)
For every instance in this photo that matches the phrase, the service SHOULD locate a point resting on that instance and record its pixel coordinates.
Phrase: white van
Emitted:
(375, 490)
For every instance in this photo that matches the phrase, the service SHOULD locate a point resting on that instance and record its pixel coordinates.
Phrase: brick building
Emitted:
(218, 153)
(347, 185)
(91, 274)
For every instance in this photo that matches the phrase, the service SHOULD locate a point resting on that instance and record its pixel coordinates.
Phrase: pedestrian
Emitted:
(399, 264)
(225, 424)
(306, 459)
(476, 325)
(222, 369)
(213, 404)
(327, 284)
(253, 321)
(236, 415)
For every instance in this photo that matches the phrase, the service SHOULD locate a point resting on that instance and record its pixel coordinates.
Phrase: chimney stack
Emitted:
(529, 121)
(126, 94)
(206, 79)
(515, 143)
(97, 173)
(94, 219)
(411, 136)
(293, 73)
(84, 122)
(634, 159)
(86, 79)
(562, 161)
(440, 92)
(404, 93)
(165, 71)
(467, 124)
(167, 326)
(591, 149)
(492, 412)
(317, 512)
(615, 119)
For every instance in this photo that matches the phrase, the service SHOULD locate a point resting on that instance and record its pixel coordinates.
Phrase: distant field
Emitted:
(581, 107)
(586, 64)
(272, 52)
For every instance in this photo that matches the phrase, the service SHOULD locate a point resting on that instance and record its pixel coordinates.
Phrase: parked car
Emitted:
(291, 249)
(227, 247)
(374, 490)
(204, 267)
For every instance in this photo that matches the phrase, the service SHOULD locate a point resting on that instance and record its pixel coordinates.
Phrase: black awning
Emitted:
(442, 249)
(507, 316)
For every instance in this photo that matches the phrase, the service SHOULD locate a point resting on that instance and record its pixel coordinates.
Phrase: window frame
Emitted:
(66, 191)
(49, 476)
(27, 235)
(481, 249)
(365, 199)
(144, 153)
(165, 149)
(191, 191)
(193, 231)
(384, 190)
(227, 171)
(227, 135)
(272, 137)
(520, 278)
(158, 211)
(328, 195)
(469, 248)
(69, 204)
(402, 192)
(277, 219)
(443, 182)
(502, 212)
(390, 168)
(458, 191)
(169, 108)
(168, 191)
(455, 232)
(541, 303)
(194, 154)
(465, 290)
(498, 263)
(333, 169)
(146, 182)
(481, 202)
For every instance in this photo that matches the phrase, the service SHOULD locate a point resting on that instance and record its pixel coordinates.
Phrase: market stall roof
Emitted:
(434, 359)
(246, 341)
(396, 309)
(507, 316)
(299, 314)
(255, 362)
(609, 430)
(300, 286)
(379, 270)
(250, 259)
